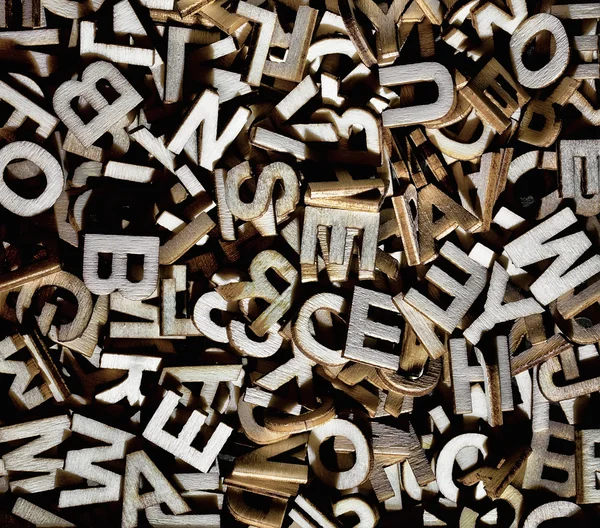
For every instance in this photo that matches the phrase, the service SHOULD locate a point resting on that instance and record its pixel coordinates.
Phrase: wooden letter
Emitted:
(367, 516)
(495, 110)
(430, 230)
(205, 113)
(447, 457)
(352, 477)
(464, 295)
(119, 247)
(587, 466)
(534, 247)
(297, 44)
(495, 372)
(299, 367)
(272, 173)
(554, 510)
(579, 174)
(171, 324)
(69, 282)
(489, 15)
(569, 389)
(107, 114)
(24, 108)
(267, 21)
(303, 329)
(420, 72)
(546, 436)
(345, 226)
(24, 373)
(360, 327)
(180, 446)
(386, 37)
(49, 166)
(138, 464)
(407, 218)
(38, 516)
(524, 34)
(83, 463)
(261, 287)
(496, 311)
(48, 433)
(130, 387)
(113, 52)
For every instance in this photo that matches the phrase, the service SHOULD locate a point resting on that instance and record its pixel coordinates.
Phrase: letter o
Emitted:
(341, 480)
(46, 162)
(523, 36)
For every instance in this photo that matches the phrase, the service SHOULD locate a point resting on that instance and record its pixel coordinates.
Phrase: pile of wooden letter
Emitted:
(299, 263)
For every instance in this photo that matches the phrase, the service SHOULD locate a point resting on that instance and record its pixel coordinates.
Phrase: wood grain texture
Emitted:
(118, 281)
(463, 295)
(60, 280)
(46, 433)
(47, 163)
(496, 311)
(412, 73)
(180, 445)
(552, 510)
(260, 287)
(38, 516)
(139, 464)
(83, 463)
(130, 386)
(270, 175)
(361, 327)
(107, 114)
(430, 230)
(447, 457)
(533, 246)
(344, 479)
(341, 243)
(524, 34)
